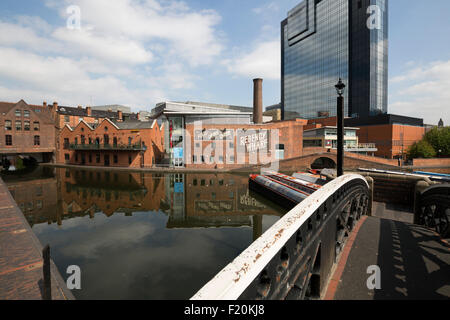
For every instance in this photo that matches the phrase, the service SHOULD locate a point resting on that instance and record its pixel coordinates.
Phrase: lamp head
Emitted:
(340, 87)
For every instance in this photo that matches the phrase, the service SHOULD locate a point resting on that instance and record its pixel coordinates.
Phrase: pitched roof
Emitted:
(41, 111)
(82, 112)
(131, 125)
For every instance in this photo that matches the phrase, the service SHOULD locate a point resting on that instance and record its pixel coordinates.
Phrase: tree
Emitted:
(421, 149)
(439, 139)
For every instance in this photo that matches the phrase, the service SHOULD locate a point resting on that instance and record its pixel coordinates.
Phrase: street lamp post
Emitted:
(340, 87)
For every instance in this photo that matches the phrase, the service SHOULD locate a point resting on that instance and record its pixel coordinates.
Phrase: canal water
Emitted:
(141, 236)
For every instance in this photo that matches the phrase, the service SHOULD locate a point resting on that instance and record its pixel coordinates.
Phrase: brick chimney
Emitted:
(55, 106)
(120, 115)
(89, 111)
(139, 116)
(80, 107)
(257, 101)
(45, 104)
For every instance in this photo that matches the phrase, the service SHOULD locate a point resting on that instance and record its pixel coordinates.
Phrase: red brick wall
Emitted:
(443, 162)
(23, 141)
(388, 138)
(290, 134)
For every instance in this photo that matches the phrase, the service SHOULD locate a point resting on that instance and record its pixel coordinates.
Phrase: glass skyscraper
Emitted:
(324, 40)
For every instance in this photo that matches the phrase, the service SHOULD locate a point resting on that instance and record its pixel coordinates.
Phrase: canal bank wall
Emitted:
(21, 261)
(289, 165)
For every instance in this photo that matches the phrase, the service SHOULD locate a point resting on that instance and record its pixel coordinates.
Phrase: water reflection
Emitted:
(143, 236)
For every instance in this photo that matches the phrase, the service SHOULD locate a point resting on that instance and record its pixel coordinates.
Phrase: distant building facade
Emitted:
(324, 40)
(113, 108)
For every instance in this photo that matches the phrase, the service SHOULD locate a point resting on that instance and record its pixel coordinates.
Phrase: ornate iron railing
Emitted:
(433, 209)
(108, 147)
(294, 258)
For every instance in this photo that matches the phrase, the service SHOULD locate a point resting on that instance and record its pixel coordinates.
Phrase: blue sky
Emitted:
(139, 53)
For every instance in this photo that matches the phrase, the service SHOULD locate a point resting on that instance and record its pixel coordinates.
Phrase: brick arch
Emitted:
(351, 161)
(331, 158)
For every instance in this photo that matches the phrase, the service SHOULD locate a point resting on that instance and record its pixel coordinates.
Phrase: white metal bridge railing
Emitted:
(293, 259)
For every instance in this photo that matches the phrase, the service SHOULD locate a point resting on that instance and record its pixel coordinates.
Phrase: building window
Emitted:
(231, 145)
(66, 119)
(195, 182)
(26, 125)
(66, 143)
(90, 158)
(26, 113)
(83, 140)
(279, 152)
(115, 142)
(76, 157)
(130, 140)
(36, 126)
(76, 141)
(66, 157)
(18, 125)
(130, 160)
(18, 113)
(8, 125)
(116, 158)
(37, 140)
(39, 191)
(8, 140)
(97, 157)
(106, 139)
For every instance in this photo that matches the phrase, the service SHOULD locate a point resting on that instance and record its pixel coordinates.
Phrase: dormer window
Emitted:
(26, 113)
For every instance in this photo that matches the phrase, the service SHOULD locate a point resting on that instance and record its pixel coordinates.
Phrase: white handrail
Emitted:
(232, 281)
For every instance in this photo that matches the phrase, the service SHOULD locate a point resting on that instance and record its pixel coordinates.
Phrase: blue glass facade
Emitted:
(324, 40)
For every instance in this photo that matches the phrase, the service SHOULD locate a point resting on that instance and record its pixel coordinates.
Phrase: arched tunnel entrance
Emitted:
(323, 163)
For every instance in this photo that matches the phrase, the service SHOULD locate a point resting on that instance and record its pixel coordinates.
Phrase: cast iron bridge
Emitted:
(332, 243)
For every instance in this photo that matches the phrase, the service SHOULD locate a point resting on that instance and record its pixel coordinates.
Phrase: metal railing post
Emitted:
(47, 282)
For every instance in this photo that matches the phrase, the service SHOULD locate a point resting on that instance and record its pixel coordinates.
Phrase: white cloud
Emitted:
(422, 92)
(263, 61)
(267, 8)
(132, 52)
(113, 49)
(191, 35)
(24, 36)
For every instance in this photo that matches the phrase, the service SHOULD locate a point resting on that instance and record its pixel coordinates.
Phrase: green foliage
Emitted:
(439, 139)
(19, 164)
(421, 149)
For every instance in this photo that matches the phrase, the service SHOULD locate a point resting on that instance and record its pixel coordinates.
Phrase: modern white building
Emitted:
(326, 137)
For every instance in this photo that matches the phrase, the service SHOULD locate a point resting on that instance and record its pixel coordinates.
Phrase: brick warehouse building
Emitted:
(27, 131)
(234, 145)
(132, 144)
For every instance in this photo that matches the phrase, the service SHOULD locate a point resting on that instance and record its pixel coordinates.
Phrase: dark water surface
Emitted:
(141, 236)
